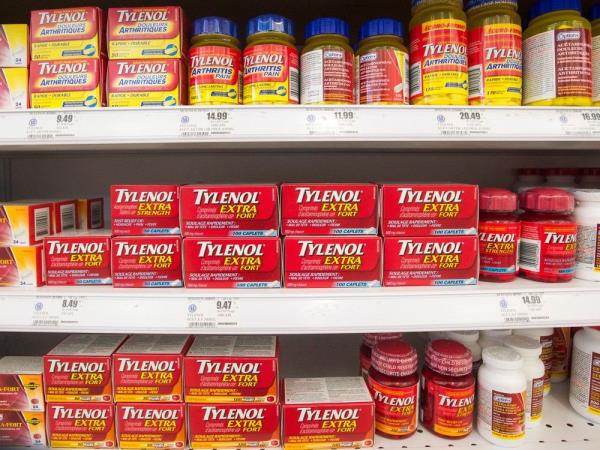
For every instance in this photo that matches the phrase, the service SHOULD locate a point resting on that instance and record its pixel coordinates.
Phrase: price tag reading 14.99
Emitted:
(523, 307)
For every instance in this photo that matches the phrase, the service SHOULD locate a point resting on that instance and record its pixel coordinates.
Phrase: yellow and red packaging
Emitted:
(21, 387)
(68, 33)
(67, 84)
(429, 209)
(430, 261)
(65, 215)
(22, 429)
(150, 209)
(332, 261)
(142, 82)
(91, 213)
(78, 369)
(325, 413)
(14, 45)
(147, 32)
(14, 88)
(22, 266)
(232, 369)
(78, 425)
(151, 425)
(149, 368)
(231, 425)
(80, 258)
(25, 223)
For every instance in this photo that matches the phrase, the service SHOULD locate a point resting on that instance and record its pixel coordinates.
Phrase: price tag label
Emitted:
(461, 123)
(579, 123)
(72, 310)
(523, 307)
(326, 122)
(46, 312)
(52, 125)
(212, 313)
(201, 123)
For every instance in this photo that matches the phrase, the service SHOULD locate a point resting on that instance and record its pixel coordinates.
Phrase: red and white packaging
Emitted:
(233, 425)
(77, 425)
(78, 258)
(430, 261)
(146, 261)
(250, 210)
(91, 213)
(327, 413)
(21, 387)
(429, 209)
(138, 209)
(78, 369)
(22, 429)
(332, 261)
(25, 223)
(22, 266)
(232, 262)
(149, 368)
(65, 215)
(151, 425)
(232, 369)
(319, 208)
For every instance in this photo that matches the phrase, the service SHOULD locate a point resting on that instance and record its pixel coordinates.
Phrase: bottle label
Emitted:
(327, 76)
(508, 415)
(546, 358)
(365, 365)
(395, 408)
(438, 59)
(271, 74)
(548, 248)
(452, 409)
(561, 353)
(596, 68)
(495, 64)
(383, 75)
(594, 402)
(498, 247)
(215, 75)
(588, 247)
(557, 63)
(535, 399)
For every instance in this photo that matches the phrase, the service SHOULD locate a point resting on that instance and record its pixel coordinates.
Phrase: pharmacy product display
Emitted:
(369, 341)
(585, 391)
(545, 336)
(562, 343)
(470, 340)
(587, 216)
(489, 338)
(595, 22)
(14, 63)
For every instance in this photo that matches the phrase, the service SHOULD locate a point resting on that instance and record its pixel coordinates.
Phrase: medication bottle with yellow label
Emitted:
(215, 63)
(383, 63)
(438, 53)
(595, 18)
(494, 52)
(271, 62)
(557, 55)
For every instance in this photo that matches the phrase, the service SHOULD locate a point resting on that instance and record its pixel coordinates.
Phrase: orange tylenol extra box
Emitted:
(21, 387)
(24, 223)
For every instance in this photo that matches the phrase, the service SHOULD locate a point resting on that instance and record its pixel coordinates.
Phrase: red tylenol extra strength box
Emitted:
(21, 387)
(429, 209)
(430, 261)
(232, 369)
(151, 425)
(250, 210)
(231, 262)
(78, 258)
(233, 425)
(78, 369)
(149, 368)
(317, 209)
(144, 209)
(79, 425)
(332, 261)
(324, 413)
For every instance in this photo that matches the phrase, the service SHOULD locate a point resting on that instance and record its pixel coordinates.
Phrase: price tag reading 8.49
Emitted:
(523, 307)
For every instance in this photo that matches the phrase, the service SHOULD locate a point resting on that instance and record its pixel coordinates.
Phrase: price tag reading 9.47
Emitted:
(224, 305)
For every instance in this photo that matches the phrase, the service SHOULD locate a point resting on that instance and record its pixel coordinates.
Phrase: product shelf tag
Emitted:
(523, 307)
(213, 313)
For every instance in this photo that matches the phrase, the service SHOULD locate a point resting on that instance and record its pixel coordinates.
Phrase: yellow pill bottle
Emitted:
(595, 18)
(438, 53)
(557, 55)
(494, 52)
(271, 62)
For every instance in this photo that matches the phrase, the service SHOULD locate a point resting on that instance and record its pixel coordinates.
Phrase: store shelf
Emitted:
(522, 303)
(301, 127)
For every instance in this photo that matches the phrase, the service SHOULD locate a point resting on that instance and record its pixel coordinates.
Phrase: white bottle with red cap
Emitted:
(584, 394)
(587, 216)
(560, 178)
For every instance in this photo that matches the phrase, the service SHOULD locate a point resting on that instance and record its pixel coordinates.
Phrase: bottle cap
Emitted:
(394, 358)
(270, 22)
(372, 339)
(472, 4)
(547, 6)
(415, 3)
(547, 200)
(327, 25)
(494, 199)
(384, 26)
(495, 333)
(215, 25)
(526, 346)
(449, 358)
(587, 195)
(502, 358)
(560, 172)
(535, 333)
(463, 336)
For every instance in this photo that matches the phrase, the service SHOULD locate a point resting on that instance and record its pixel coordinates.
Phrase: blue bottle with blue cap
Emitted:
(215, 63)
(327, 63)
(383, 63)
(595, 19)
(271, 62)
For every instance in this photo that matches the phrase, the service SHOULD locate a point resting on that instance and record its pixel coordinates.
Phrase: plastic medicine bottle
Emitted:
(595, 18)
(489, 338)
(369, 341)
(562, 340)
(545, 336)
(587, 216)
(469, 339)
(585, 372)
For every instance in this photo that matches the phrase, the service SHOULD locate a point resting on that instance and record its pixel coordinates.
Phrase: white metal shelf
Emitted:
(339, 127)
(522, 303)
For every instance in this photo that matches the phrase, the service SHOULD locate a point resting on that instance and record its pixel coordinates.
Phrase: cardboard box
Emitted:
(79, 368)
(25, 223)
(231, 262)
(14, 88)
(22, 429)
(332, 261)
(14, 45)
(232, 425)
(91, 213)
(250, 210)
(22, 266)
(232, 369)
(325, 208)
(65, 215)
(429, 209)
(327, 413)
(78, 258)
(149, 368)
(77, 425)
(21, 387)
(151, 425)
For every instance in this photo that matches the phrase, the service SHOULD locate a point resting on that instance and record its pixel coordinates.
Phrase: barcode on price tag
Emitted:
(46, 312)
(523, 307)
